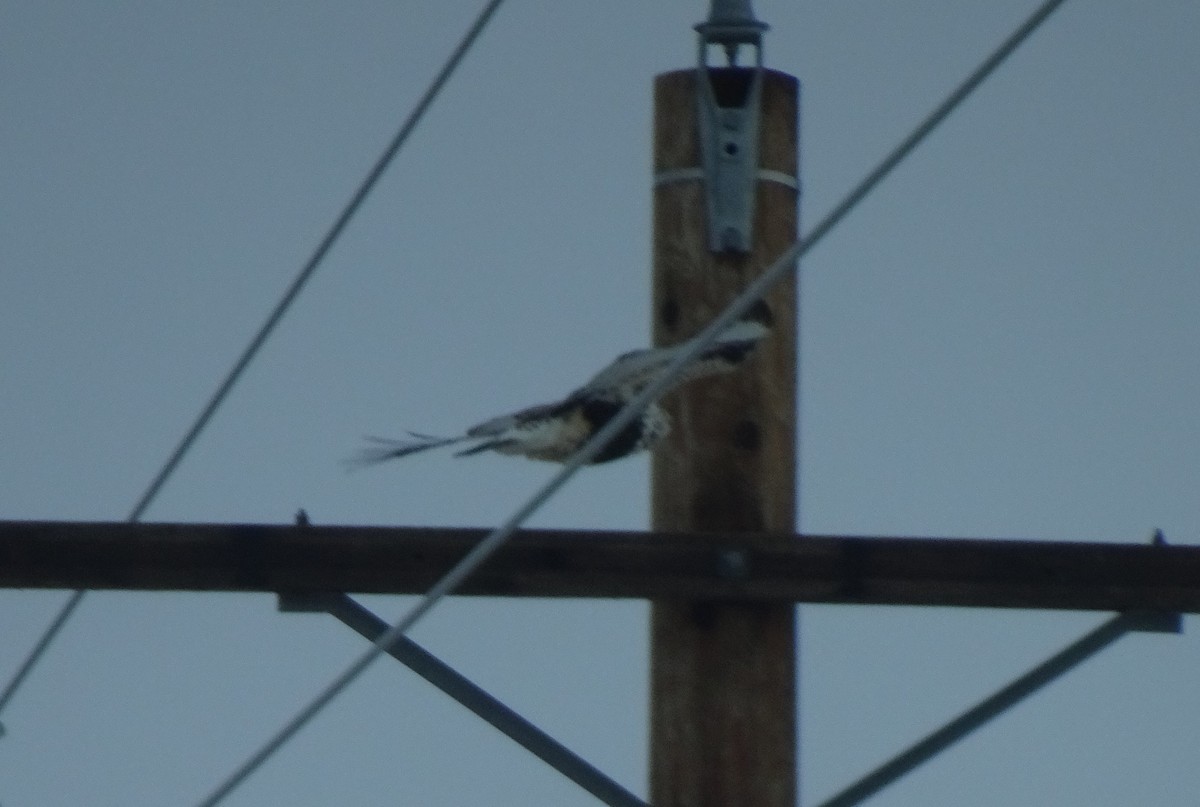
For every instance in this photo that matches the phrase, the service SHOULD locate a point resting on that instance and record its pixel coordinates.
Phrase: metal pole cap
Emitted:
(731, 23)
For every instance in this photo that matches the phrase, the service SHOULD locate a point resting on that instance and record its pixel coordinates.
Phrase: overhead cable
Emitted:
(281, 308)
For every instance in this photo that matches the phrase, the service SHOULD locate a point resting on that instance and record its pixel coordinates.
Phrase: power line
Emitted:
(633, 408)
(281, 308)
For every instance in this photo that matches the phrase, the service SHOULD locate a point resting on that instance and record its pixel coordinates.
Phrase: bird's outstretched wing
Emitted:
(498, 426)
(631, 372)
(554, 431)
(499, 433)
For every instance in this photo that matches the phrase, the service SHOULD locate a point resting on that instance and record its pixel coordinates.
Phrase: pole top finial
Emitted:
(731, 23)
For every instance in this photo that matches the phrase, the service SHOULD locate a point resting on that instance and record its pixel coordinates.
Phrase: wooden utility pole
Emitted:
(723, 674)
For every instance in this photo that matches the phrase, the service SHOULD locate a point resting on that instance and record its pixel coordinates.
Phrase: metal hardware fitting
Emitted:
(674, 175)
(729, 134)
(732, 564)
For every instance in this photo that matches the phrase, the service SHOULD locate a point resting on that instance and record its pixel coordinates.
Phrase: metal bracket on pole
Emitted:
(729, 125)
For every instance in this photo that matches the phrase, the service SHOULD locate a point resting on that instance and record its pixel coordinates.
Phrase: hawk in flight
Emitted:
(555, 431)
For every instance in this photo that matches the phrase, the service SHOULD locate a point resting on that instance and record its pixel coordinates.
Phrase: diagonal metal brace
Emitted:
(468, 694)
(1074, 654)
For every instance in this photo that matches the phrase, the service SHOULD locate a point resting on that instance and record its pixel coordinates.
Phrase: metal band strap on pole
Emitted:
(697, 175)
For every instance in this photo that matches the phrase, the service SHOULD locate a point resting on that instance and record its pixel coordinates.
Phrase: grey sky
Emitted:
(1001, 342)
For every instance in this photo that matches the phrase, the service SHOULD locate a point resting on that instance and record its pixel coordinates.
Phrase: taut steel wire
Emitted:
(285, 303)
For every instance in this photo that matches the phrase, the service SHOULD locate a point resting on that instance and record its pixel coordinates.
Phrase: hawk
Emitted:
(555, 431)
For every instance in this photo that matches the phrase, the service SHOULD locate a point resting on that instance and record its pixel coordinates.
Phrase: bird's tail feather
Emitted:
(387, 448)
(479, 449)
